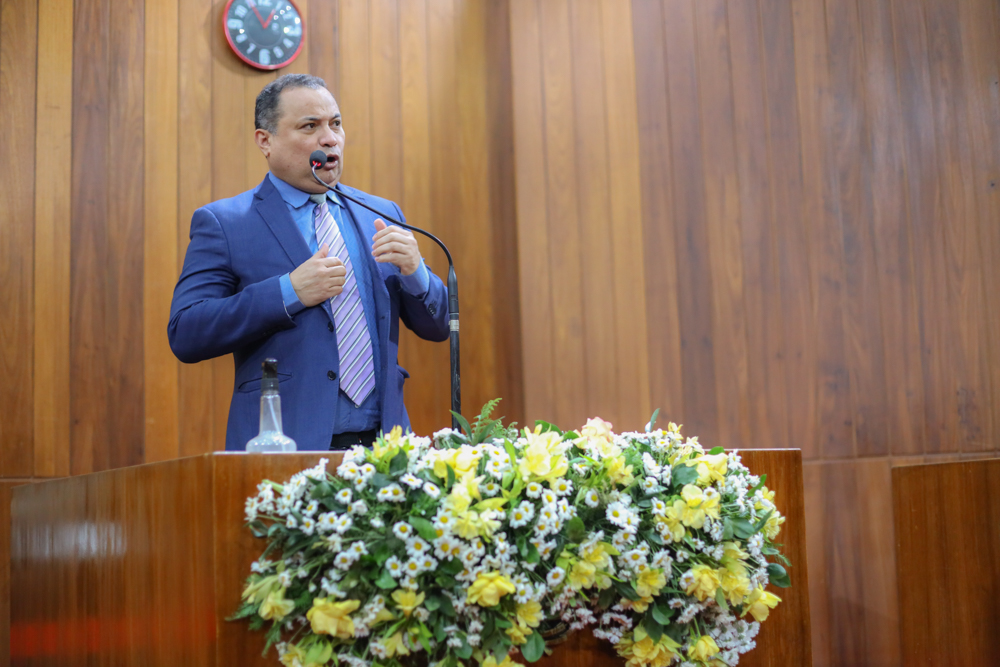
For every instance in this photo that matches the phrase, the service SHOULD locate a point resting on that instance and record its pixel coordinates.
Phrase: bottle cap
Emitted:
(269, 379)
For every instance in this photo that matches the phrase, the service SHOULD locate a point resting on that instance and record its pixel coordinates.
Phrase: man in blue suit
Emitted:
(290, 270)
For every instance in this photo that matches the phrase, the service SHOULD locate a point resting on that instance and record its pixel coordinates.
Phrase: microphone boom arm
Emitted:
(456, 383)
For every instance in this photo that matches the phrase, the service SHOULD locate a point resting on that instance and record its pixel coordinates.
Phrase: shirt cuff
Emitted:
(292, 304)
(417, 283)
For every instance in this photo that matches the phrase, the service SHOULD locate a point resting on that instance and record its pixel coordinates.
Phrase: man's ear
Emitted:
(263, 139)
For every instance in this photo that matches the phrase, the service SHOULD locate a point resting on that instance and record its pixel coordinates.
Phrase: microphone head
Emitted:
(317, 159)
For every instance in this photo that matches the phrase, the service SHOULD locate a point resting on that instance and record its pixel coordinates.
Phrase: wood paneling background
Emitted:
(776, 220)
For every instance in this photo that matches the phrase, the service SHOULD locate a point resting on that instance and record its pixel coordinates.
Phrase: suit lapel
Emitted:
(274, 211)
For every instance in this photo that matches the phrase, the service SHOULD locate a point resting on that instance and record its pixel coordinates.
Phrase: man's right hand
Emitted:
(319, 278)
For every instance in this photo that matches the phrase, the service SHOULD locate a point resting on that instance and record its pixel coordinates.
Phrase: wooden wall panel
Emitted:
(18, 50)
(54, 113)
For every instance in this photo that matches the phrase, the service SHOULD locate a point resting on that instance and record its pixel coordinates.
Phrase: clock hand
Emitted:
(253, 6)
(269, 17)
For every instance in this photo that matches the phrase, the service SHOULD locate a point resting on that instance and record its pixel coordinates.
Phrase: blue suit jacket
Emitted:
(228, 300)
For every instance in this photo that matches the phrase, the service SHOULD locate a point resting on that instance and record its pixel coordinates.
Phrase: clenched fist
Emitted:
(319, 278)
(395, 245)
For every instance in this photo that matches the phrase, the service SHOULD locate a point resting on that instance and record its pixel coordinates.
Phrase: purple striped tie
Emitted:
(354, 343)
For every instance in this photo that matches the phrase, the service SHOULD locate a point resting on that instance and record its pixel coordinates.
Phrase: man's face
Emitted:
(309, 119)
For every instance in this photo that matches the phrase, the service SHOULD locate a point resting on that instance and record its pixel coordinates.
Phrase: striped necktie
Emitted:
(354, 343)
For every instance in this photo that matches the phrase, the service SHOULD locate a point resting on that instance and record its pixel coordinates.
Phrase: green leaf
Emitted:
(451, 477)
(576, 530)
(727, 530)
(522, 545)
(626, 590)
(769, 551)
(763, 478)
(662, 613)
(763, 520)
(379, 480)
(743, 528)
(398, 463)
(464, 423)
(606, 599)
(464, 651)
(533, 555)
(720, 599)
(715, 451)
(275, 527)
(452, 566)
(651, 426)
(652, 627)
(385, 581)
(433, 603)
(447, 608)
(424, 528)
(652, 537)
(778, 575)
(534, 648)
(684, 474)
(546, 426)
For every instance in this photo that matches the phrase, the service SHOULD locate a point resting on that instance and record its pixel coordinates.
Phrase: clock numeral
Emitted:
(251, 48)
(288, 43)
(240, 38)
(265, 57)
(241, 10)
(278, 52)
(234, 24)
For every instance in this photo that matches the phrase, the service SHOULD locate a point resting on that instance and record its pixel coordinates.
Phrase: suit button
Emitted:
(331, 375)
(432, 309)
(329, 325)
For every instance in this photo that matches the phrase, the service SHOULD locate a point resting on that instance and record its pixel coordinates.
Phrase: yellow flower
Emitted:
(467, 524)
(673, 520)
(462, 460)
(703, 649)
(760, 604)
(711, 468)
(693, 515)
(768, 501)
(392, 442)
(734, 581)
(275, 606)
(331, 618)
(490, 661)
(650, 582)
(596, 438)
(733, 550)
(488, 588)
(293, 657)
(773, 525)
(543, 456)
(641, 651)
(518, 633)
(582, 575)
(383, 615)
(529, 613)
(394, 646)
(407, 601)
(618, 472)
(705, 581)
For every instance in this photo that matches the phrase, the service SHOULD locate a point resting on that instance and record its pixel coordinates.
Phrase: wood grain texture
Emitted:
(18, 51)
(161, 77)
(117, 568)
(947, 565)
(54, 115)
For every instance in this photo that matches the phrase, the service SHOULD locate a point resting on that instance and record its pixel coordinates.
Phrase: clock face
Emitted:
(266, 34)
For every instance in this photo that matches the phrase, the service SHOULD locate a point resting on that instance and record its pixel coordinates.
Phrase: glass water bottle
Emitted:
(270, 438)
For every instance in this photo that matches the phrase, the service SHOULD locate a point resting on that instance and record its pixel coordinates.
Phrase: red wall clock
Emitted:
(266, 34)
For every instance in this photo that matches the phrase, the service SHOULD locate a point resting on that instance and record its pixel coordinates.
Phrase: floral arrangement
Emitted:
(481, 547)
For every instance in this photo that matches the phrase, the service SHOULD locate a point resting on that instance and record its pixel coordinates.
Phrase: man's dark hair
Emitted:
(266, 112)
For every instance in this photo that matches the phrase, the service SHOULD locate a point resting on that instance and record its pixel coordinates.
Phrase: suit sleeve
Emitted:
(211, 315)
(425, 315)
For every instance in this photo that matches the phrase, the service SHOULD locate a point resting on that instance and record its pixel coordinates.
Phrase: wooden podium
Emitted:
(947, 520)
(141, 566)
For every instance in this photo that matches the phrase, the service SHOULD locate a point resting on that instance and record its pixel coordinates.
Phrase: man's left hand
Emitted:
(396, 245)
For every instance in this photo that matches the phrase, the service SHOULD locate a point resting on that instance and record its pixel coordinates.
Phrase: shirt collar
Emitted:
(297, 198)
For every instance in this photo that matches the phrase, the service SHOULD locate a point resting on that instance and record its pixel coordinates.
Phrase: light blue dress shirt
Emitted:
(349, 418)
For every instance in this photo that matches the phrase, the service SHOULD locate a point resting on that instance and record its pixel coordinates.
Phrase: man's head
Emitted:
(294, 116)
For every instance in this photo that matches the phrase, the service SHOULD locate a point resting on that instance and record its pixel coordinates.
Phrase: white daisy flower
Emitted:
(411, 481)
(650, 485)
(359, 507)
(308, 525)
(344, 496)
(343, 561)
(347, 470)
(555, 577)
(522, 514)
(417, 547)
(367, 470)
(402, 530)
(617, 514)
(432, 490)
(534, 490)
(394, 567)
(443, 520)
(312, 507)
(490, 488)
(285, 578)
(343, 524)
(562, 487)
(392, 493)
(549, 497)
(591, 498)
(360, 483)
(376, 523)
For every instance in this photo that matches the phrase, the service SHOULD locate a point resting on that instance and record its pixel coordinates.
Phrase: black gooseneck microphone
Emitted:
(316, 160)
